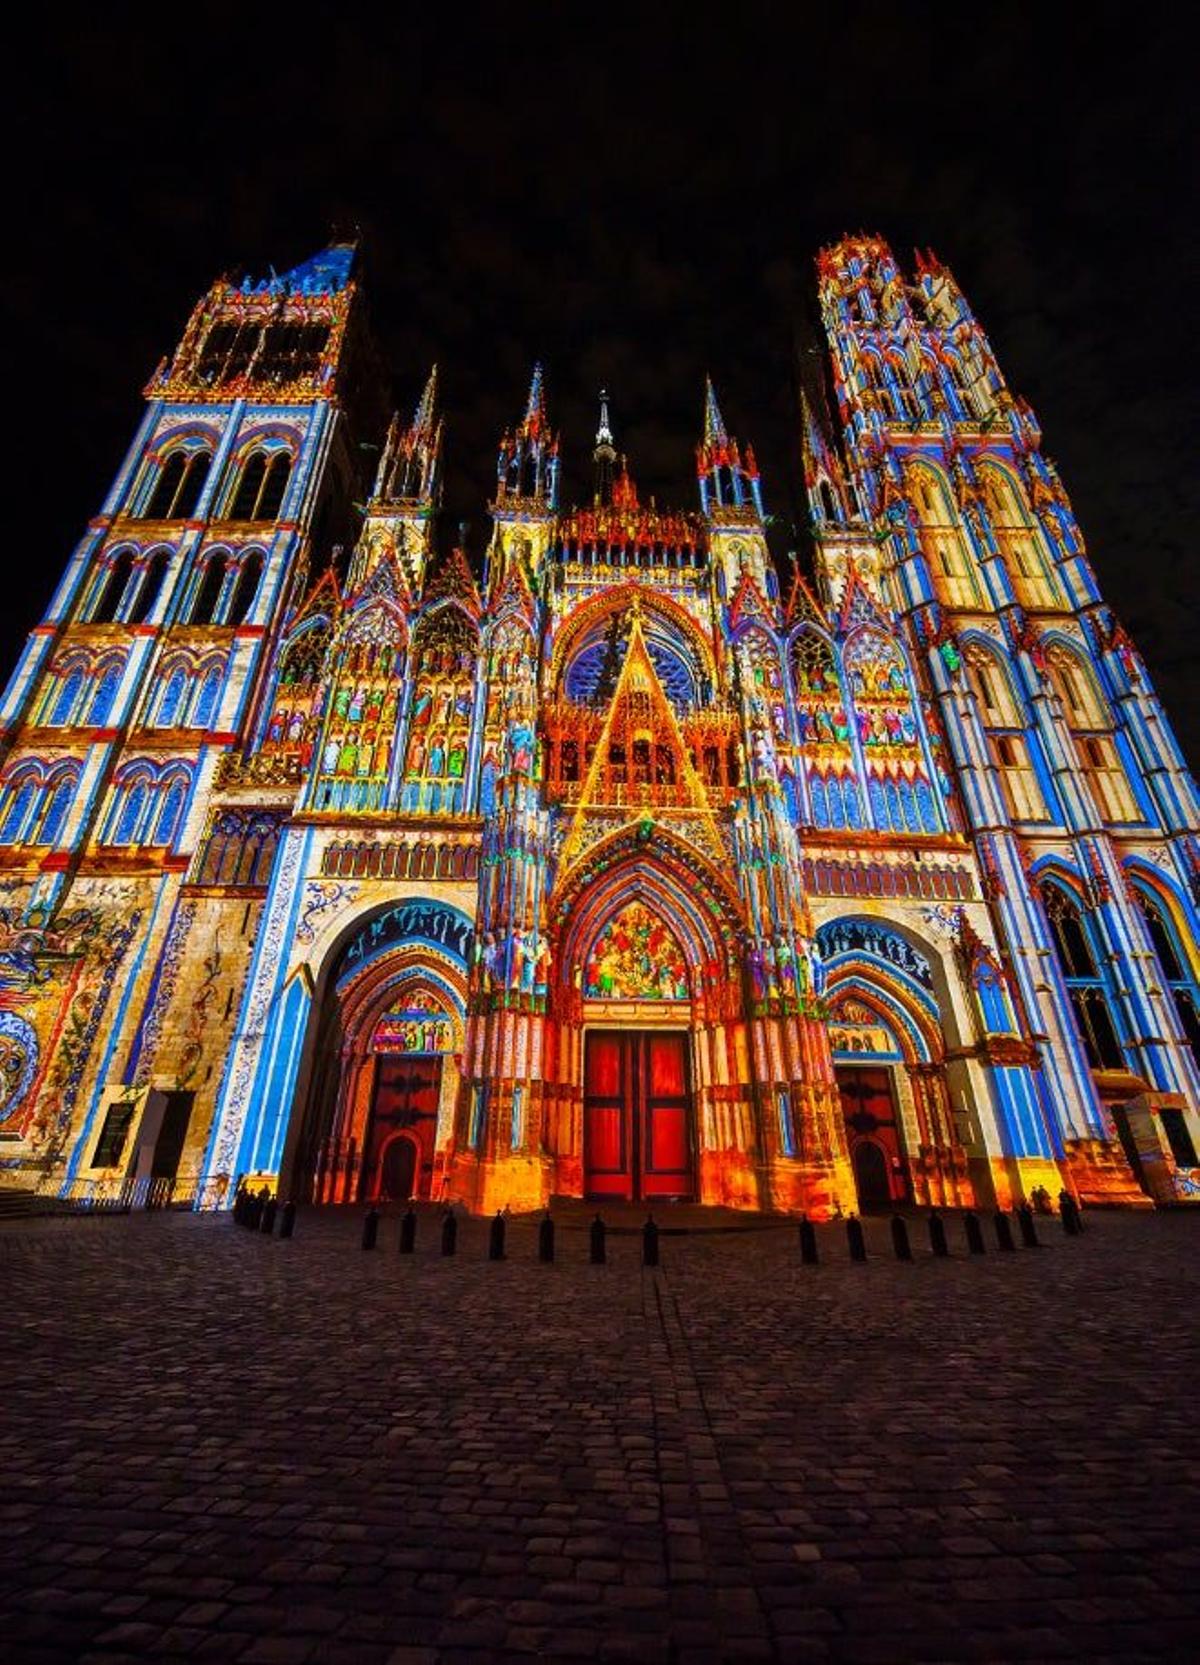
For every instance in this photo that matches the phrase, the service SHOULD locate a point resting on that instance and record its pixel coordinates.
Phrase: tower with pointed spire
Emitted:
(608, 873)
(604, 459)
(526, 494)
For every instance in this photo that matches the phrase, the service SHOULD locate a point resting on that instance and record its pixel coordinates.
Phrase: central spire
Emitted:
(604, 457)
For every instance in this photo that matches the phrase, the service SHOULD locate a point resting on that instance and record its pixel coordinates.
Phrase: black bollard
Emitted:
(808, 1243)
(900, 1241)
(408, 1231)
(937, 1235)
(1029, 1236)
(1004, 1236)
(598, 1254)
(855, 1238)
(449, 1232)
(546, 1239)
(287, 1220)
(370, 1228)
(270, 1209)
(974, 1233)
(650, 1242)
(496, 1239)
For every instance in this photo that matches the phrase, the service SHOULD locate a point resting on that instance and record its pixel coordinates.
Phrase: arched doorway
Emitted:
(872, 1177)
(886, 1036)
(386, 1046)
(399, 1168)
(653, 1099)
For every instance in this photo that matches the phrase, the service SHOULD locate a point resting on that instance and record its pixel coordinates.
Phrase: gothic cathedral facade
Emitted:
(620, 869)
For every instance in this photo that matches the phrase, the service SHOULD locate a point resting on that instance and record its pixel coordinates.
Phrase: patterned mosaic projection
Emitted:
(601, 863)
(635, 957)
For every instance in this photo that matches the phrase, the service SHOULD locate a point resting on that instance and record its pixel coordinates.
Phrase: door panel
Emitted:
(636, 1116)
(606, 1152)
(667, 1164)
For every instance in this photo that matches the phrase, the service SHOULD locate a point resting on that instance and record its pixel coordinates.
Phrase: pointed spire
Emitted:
(535, 406)
(714, 425)
(604, 458)
(422, 422)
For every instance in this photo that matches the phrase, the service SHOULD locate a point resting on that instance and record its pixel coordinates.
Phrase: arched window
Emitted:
(129, 810)
(261, 485)
(151, 584)
(109, 600)
(1087, 988)
(1090, 721)
(15, 807)
(208, 595)
(206, 701)
(1018, 539)
(246, 588)
(1008, 739)
(274, 486)
(240, 849)
(67, 698)
(177, 489)
(105, 695)
(170, 812)
(947, 550)
(1173, 957)
(54, 814)
(171, 703)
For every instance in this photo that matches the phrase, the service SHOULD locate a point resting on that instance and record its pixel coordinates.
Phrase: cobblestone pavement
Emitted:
(216, 1446)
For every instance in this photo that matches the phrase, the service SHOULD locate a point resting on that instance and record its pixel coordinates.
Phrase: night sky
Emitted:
(636, 203)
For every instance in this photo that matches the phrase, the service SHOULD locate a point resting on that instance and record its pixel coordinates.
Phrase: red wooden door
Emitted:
(873, 1132)
(636, 1116)
(408, 1088)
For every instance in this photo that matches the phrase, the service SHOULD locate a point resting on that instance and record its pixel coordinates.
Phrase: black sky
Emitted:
(636, 198)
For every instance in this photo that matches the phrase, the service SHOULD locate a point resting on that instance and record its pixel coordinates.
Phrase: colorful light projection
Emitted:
(413, 1029)
(636, 957)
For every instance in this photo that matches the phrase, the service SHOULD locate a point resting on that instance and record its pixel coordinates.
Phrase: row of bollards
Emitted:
(497, 1234)
(856, 1241)
(258, 1210)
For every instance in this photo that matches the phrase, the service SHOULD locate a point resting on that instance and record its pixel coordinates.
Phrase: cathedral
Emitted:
(619, 869)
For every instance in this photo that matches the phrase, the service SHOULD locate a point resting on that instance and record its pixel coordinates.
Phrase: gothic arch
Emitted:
(667, 613)
(401, 948)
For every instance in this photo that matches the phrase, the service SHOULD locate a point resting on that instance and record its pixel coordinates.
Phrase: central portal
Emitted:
(637, 1137)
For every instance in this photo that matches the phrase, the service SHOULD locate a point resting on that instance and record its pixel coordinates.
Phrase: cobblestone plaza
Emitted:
(223, 1447)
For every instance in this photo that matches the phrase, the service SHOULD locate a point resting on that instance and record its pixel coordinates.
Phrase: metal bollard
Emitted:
(597, 1254)
(809, 1255)
(496, 1239)
(900, 1240)
(650, 1242)
(937, 1235)
(974, 1233)
(855, 1239)
(449, 1232)
(370, 1228)
(546, 1240)
(1029, 1236)
(1004, 1236)
(408, 1231)
(287, 1220)
(270, 1209)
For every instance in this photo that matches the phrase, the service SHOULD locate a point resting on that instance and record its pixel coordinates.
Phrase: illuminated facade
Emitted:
(619, 871)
